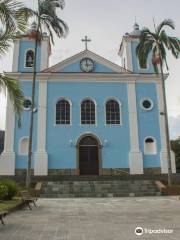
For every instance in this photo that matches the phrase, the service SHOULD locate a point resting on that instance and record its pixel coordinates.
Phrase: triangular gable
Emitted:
(72, 64)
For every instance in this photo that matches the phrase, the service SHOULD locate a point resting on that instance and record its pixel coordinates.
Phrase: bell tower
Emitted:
(23, 57)
(127, 52)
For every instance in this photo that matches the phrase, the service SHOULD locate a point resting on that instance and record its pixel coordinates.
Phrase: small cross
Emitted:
(86, 40)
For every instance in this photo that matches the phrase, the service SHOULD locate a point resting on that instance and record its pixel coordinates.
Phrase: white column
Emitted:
(16, 56)
(45, 53)
(129, 55)
(41, 157)
(7, 159)
(164, 152)
(135, 155)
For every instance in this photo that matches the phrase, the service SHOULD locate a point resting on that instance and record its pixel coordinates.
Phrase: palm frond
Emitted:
(5, 41)
(162, 54)
(14, 91)
(166, 22)
(155, 54)
(143, 50)
(12, 15)
(174, 46)
(146, 33)
(157, 42)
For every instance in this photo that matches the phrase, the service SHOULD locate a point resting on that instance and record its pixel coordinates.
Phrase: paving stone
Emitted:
(94, 218)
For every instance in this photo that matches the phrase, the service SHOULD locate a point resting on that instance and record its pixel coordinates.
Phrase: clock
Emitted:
(87, 65)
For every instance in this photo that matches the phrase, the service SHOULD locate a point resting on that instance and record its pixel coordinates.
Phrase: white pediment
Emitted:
(106, 65)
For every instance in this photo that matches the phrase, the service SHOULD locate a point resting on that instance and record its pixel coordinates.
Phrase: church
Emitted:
(91, 116)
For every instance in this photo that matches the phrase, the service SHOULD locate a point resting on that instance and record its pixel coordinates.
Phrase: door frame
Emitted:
(99, 151)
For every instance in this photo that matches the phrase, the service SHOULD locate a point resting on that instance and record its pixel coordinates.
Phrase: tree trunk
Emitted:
(166, 126)
(28, 174)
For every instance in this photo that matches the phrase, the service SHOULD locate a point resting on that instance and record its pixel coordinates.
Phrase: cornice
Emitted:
(88, 77)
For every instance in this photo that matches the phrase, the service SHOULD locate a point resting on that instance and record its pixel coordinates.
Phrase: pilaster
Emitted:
(135, 155)
(164, 152)
(7, 159)
(41, 156)
(16, 56)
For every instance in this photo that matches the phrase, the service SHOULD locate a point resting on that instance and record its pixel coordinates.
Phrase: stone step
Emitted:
(107, 188)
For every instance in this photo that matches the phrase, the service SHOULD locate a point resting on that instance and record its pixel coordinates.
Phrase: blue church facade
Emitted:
(91, 116)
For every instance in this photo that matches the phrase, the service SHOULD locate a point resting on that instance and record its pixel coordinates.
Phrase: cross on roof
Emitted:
(86, 40)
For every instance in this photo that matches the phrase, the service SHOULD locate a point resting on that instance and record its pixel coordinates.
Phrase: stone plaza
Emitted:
(95, 219)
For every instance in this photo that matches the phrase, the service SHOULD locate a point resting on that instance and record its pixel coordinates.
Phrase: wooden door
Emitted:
(89, 156)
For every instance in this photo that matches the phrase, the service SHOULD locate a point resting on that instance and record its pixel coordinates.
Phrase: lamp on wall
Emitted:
(72, 143)
(106, 143)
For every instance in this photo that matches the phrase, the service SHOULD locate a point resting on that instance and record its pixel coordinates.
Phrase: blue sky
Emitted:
(105, 22)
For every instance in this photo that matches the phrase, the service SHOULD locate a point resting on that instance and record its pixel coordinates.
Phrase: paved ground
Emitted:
(95, 219)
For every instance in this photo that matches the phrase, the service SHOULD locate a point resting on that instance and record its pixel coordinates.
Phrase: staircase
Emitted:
(99, 188)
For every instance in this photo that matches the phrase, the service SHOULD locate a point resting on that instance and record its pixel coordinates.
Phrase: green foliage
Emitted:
(14, 90)
(8, 189)
(13, 18)
(3, 191)
(175, 146)
(157, 42)
(47, 18)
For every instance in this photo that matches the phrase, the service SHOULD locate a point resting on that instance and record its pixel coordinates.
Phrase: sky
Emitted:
(105, 22)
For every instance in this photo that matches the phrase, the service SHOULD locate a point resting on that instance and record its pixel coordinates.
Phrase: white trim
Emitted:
(88, 133)
(88, 77)
(155, 143)
(164, 151)
(135, 155)
(161, 116)
(7, 159)
(96, 117)
(42, 108)
(70, 103)
(20, 147)
(15, 65)
(120, 111)
(146, 99)
(44, 54)
(28, 49)
(129, 56)
(41, 156)
(126, 51)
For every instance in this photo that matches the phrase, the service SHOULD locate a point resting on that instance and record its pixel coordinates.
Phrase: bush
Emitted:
(3, 191)
(9, 189)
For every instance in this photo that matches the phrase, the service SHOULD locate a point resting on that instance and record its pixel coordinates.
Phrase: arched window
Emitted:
(23, 146)
(88, 115)
(30, 58)
(63, 112)
(150, 146)
(112, 112)
(27, 104)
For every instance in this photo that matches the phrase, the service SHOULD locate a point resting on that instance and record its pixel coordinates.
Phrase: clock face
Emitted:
(87, 65)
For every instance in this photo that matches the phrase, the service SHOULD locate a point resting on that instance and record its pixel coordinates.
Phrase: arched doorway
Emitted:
(88, 152)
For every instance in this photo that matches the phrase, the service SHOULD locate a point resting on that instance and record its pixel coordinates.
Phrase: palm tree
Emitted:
(158, 42)
(46, 19)
(13, 16)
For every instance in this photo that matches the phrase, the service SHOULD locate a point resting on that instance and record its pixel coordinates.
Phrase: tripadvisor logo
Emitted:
(139, 231)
